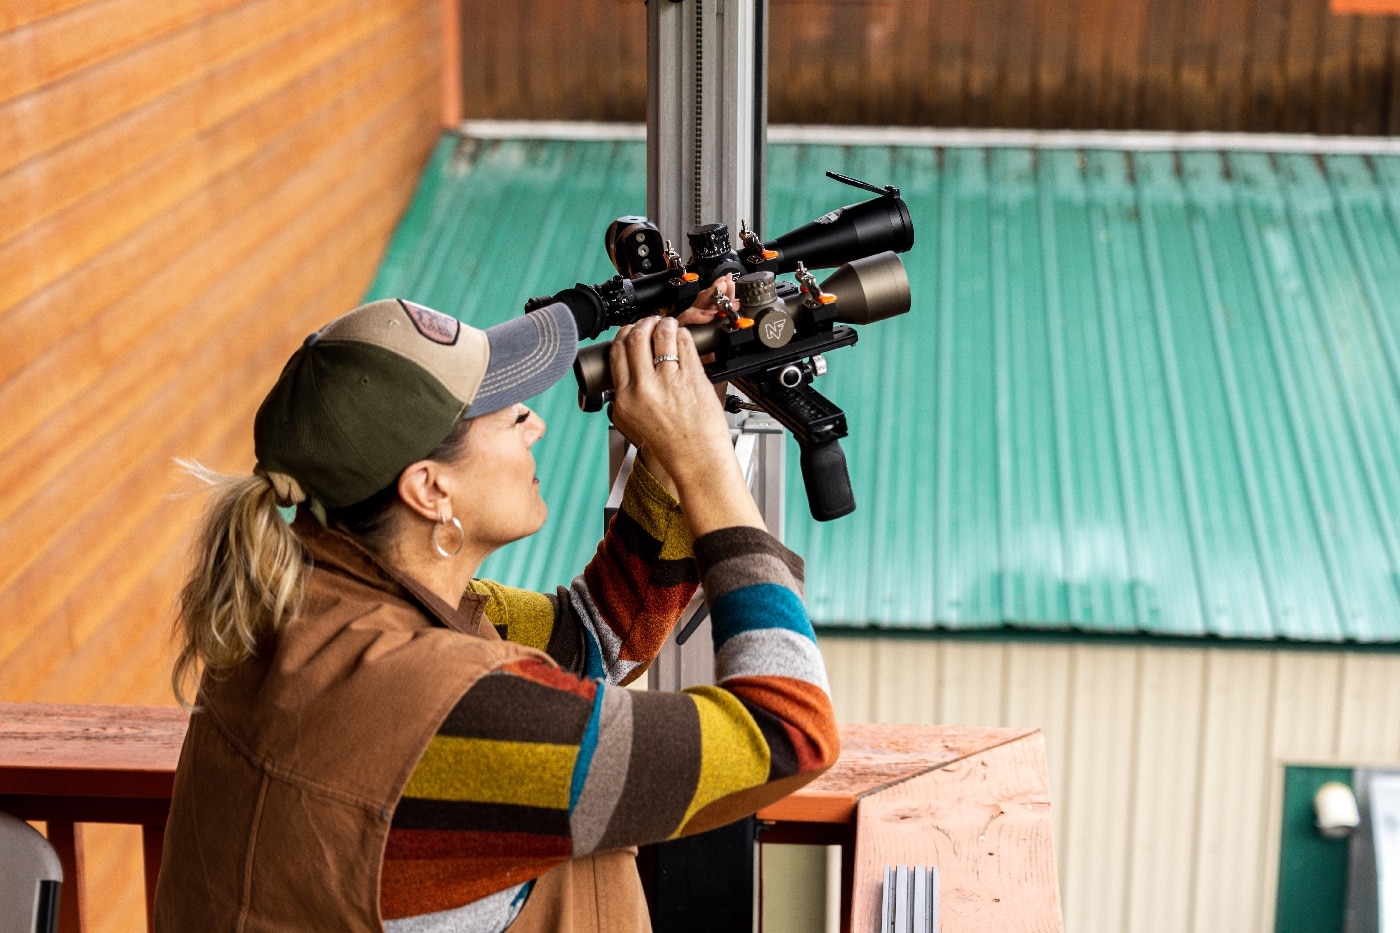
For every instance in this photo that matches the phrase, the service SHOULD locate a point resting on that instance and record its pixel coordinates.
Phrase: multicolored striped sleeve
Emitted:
(487, 806)
(536, 765)
(768, 727)
(613, 619)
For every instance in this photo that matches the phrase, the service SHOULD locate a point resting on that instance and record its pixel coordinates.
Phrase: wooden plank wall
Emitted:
(1166, 763)
(1185, 65)
(187, 187)
(554, 60)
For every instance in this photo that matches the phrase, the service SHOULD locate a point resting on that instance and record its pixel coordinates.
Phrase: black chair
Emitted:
(30, 878)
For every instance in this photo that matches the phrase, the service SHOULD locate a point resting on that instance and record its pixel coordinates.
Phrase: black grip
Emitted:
(827, 480)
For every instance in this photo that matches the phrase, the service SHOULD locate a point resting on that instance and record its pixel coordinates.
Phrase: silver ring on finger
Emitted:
(667, 358)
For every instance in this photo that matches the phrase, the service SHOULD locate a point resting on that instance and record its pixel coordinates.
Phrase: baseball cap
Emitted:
(382, 386)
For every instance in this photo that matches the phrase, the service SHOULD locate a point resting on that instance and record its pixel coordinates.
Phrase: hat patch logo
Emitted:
(434, 325)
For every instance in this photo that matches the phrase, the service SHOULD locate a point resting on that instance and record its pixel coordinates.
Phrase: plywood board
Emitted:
(985, 821)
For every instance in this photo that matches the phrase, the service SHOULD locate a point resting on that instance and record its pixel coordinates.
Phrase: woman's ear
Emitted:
(421, 492)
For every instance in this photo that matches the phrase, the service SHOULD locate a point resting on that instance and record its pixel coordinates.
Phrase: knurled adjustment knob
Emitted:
(709, 241)
(756, 290)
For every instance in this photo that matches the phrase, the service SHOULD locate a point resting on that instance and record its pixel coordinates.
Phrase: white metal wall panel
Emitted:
(1234, 780)
(971, 686)
(794, 889)
(855, 684)
(1304, 720)
(908, 673)
(1038, 693)
(1368, 730)
(1097, 796)
(1166, 759)
(1166, 763)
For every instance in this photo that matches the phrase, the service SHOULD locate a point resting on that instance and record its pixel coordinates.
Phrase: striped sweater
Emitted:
(538, 763)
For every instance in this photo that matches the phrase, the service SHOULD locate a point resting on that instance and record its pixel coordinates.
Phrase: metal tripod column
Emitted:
(707, 106)
(707, 114)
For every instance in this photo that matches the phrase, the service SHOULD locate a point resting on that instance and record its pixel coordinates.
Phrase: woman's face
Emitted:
(497, 497)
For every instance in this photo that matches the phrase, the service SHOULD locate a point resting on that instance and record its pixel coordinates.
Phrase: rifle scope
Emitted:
(848, 233)
(866, 290)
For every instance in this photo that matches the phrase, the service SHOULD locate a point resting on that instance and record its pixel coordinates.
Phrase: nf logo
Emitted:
(773, 331)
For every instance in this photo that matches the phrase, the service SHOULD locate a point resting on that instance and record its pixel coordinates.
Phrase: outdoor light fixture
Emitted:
(1336, 810)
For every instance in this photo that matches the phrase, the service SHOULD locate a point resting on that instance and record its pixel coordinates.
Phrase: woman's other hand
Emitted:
(704, 310)
(707, 302)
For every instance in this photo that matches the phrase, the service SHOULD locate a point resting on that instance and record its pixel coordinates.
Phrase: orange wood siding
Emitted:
(1184, 65)
(1370, 7)
(187, 187)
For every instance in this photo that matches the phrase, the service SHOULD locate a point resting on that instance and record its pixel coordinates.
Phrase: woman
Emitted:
(382, 739)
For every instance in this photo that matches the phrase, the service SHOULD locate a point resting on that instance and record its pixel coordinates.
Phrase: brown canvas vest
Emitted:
(293, 765)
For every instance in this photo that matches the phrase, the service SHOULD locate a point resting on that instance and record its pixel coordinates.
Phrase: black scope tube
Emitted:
(846, 234)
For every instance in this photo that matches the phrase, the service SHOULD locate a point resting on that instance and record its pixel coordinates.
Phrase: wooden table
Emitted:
(974, 802)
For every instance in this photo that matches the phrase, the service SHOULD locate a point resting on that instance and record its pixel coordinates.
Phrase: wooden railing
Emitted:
(69, 765)
(974, 802)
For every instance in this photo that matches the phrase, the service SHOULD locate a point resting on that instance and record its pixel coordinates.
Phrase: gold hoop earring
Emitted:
(461, 537)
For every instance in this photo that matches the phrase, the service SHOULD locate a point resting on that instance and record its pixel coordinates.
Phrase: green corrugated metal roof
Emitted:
(1139, 392)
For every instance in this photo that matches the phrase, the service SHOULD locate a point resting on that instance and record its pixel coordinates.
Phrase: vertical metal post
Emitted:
(707, 116)
(707, 113)
(707, 122)
(765, 468)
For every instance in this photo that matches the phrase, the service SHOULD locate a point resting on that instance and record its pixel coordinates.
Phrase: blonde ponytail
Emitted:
(248, 577)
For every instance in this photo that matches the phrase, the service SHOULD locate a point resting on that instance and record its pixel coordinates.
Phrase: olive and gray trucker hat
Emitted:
(382, 386)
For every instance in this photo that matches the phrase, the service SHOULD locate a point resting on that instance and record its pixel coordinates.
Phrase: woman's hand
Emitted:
(707, 302)
(664, 403)
(704, 310)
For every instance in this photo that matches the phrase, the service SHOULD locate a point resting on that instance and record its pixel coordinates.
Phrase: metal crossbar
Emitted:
(910, 901)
